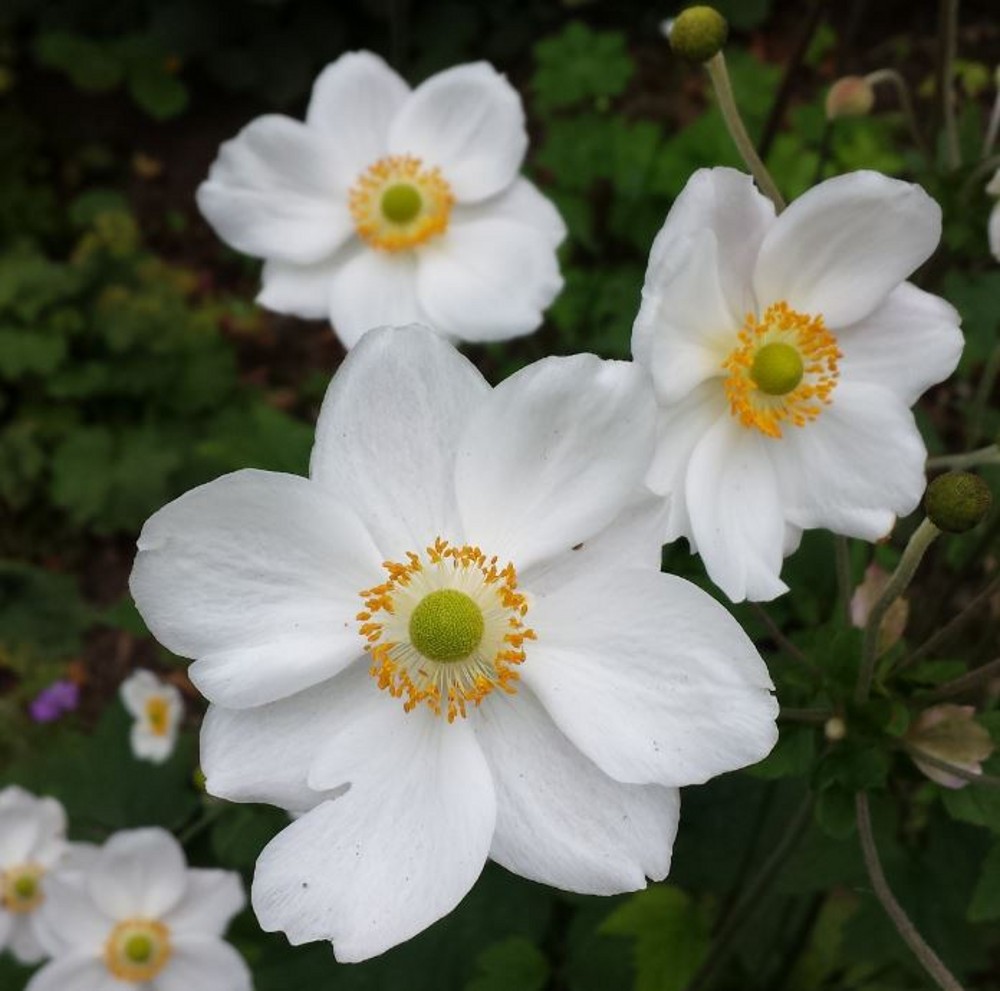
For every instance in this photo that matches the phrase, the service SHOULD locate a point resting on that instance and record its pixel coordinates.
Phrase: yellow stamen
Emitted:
(158, 714)
(483, 626)
(397, 204)
(783, 371)
(137, 949)
(21, 889)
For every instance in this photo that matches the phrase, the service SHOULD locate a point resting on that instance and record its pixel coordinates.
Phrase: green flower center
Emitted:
(138, 948)
(777, 369)
(401, 203)
(446, 625)
(26, 887)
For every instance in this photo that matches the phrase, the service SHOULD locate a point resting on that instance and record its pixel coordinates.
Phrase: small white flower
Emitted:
(451, 642)
(388, 206)
(994, 224)
(157, 707)
(136, 918)
(32, 842)
(786, 352)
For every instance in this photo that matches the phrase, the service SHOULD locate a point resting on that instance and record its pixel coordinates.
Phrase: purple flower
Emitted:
(55, 701)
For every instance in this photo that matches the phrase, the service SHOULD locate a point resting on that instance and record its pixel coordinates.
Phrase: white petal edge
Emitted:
(299, 290)
(203, 964)
(522, 202)
(81, 973)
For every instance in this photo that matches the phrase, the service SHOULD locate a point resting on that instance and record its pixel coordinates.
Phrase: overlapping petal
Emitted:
(299, 290)
(77, 971)
(138, 873)
(203, 965)
(521, 202)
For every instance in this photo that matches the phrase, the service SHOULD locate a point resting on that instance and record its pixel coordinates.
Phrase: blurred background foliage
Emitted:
(134, 365)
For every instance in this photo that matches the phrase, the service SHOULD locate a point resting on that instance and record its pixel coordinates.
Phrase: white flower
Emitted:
(460, 616)
(158, 709)
(994, 225)
(32, 842)
(785, 353)
(136, 918)
(388, 206)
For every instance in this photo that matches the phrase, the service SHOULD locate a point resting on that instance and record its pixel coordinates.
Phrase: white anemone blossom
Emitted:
(785, 354)
(157, 709)
(136, 918)
(32, 843)
(994, 223)
(389, 205)
(451, 642)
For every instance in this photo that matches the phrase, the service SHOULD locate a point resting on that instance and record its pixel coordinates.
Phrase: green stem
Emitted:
(981, 399)
(949, 45)
(989, 139)
(927, 957)
(209, 814)
(922, 538)
(905, 103)
(813, 716)
(989, 455)
(842, 556)
(971, 679)
(719, 75)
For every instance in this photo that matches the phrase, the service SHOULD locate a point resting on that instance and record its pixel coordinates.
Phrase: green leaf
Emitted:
(161, 94)
(671, 936)
(90, 65)
(580, 64)
(985, 905)
(29, 351)
(514, 963)
(792, 756)
(835, 812)
(242, 831)
(82, 473)
(40, 610)
(976, 804)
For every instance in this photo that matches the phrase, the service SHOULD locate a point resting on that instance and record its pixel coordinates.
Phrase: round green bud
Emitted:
(138, 948)
(698, 33)
(777, 369)
(401, 203)
(26, 887)
(957, 501)
(447, 625)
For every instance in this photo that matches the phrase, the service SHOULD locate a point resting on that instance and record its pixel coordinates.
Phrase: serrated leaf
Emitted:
(580, 64)
(671, 936)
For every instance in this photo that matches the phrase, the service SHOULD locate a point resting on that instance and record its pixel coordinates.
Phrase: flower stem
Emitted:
(989, 455)
(842, 553)
(719, 75)
(922, 538)
(992, 128)
(949, 44)
(905, 103)
(930, 960)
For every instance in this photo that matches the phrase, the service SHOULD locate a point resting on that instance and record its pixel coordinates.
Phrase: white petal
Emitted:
(994, 231)
(6, 925)
(19, 834)
(487, 279)
(523, 203)
(562, 821)
(14, 795)
(69, 919)
(395, 853)
(469, 122)
(139, 872)
(272, 193)
(854, 468)
(136, 690)
(298, 290)
(23, 941)
(211, 898)
(554, 455)
(684, 330)
(734, 505)
(651, 678)
(373, 289)
(354, 101)
(147, 745)
(842, 247)
(387, 434)
(203, 965)
(726, 203)
(256, 575)
(81, 973)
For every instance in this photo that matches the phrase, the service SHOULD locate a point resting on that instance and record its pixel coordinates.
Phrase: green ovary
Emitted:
(26, 887)
(138, 948)
(446, 625)
(777, 369)
(401, 203)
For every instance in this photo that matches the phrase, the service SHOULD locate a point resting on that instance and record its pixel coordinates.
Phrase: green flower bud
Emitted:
(957, 501)
(698, 33)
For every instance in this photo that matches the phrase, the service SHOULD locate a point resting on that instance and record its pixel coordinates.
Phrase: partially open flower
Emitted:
(866, 595)
(157, 708)
(786, 352)
(850, 96)
(388, 206)
(949, 733)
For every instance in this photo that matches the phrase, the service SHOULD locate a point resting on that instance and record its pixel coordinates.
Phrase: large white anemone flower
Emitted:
(389, 205)
(785, 353)
(32, 842)
(451, 642)
(136, 918)
(157, 709)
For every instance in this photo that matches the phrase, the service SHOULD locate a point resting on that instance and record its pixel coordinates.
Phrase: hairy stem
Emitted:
(989, 455)
(905, 103)
(968, 680)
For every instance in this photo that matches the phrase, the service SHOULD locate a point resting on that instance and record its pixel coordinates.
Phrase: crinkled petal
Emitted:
(554, 455)
(523, 203)
(256, 575)
(684, 329)
(203, 964)
(69, 920)
(843, 246)
(387, 436)
(272, 192)
(139, 872)
(910, 323)
(734, 505)
(211, 898)
(298, 290)
(488, 279)
(560, 819)
(79, 972)
(354, 101)
(854, 468)
(651, 678)
(468, 121)
(395, 853)
(725, 203)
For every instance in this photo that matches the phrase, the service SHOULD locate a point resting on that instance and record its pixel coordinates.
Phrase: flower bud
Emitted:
(866, 595)
(949, 733)
(851, 96)
(957, 501)
(698, 33)
(835, 729)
